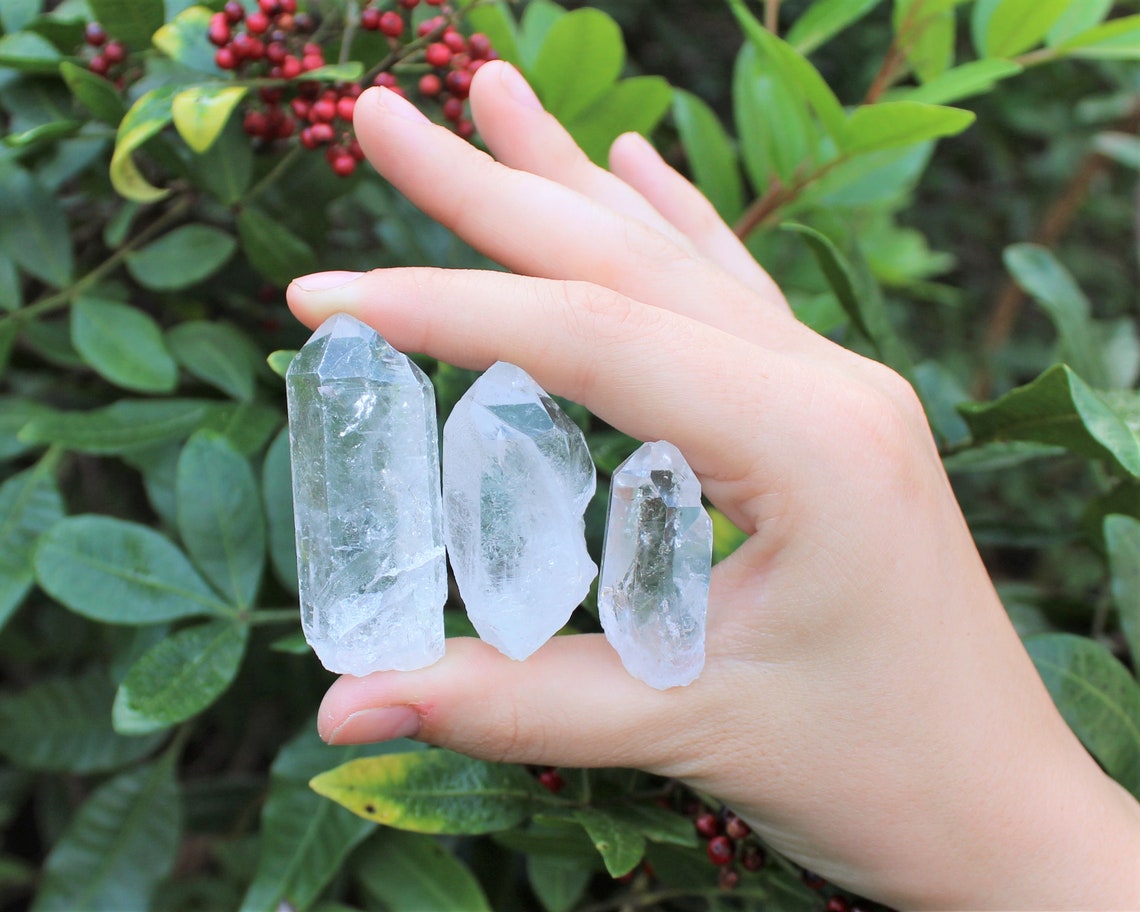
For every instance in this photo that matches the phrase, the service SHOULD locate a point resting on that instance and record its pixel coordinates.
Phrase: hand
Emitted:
(865, 703)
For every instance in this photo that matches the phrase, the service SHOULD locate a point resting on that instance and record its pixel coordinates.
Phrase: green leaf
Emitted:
(1122, 540)
(215, 353)
(30, 504)
(11, 294)
(636, 104)
(351, 71)
(558, 884)
(965, 81)
(94, 92)
(712, 158)
(1097, 697)
(120, 573)
(120, 844)
(17, 14)
(226, 168)
(123, 425)
(182, 257)
(122, 344)
(201, 112)
(219, 516)
(146, 117)
(277, 493)
(1078, 17)
(902, 123)
(15, 412)
(64, 725)
(179, 677)
(772, 121)
(580, 58)
(1017, 25)
(926, 33)
(279, 361)
(272, 249)
(247, 425)
(496, 22)
(825, 19)
(185, 40)
(131, 21)
(433, 791)
(619, 842)
(1057, 408)
(33, 228)
(28, 52)
(1118, 39)
(1123, 148)
(410, 872)
(1051, 285)
(537, 20)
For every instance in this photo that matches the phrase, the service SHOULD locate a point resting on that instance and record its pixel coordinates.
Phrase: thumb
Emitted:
(571, 703)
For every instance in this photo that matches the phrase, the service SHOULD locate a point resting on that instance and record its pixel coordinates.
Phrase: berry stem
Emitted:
(272, 176)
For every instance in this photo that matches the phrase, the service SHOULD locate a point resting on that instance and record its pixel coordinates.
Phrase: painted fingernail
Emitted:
(398, 106)
(382, 724)
(326, 281)
(518, 88)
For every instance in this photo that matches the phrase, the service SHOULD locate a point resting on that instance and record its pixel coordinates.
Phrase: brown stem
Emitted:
(774, 197)
(892, 66)
(772, 16)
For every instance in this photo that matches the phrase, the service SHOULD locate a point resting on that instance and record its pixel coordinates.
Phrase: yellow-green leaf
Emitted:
(200, 112)
(147, 116)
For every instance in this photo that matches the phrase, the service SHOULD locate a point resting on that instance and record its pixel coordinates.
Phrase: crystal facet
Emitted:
(366, 497)
(517, 477)
(654, 589)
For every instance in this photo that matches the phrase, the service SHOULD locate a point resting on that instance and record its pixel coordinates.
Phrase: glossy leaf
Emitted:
(120, 844)
(226, 168)
(15, 412)
(496, 22)
(16, 14)
(30, 504)
(620, 843)
(146, 117)
(277, 494)
(179, 677)
(272, 249)
(185, 39)
(1118, 39)
(131, 21)
(28, 52)
(122, 344)
(279, 361)
(711, 155)
(902, 123)
(219, 516)
(247, 425)
(558, 884)
(636, 104)
(217, 354)
(64, 725)
(201, 112)
(1017, 25)
(772, 121)
(1057, 408)
(537, 20)
(435, 791)
(580, 57)
(181, 257)
(1042, 276)
(965, 81)
(120, 573)
(410, 872)
(1123, 148)
(1097, 697)
(11, 294)
(94, 92)
(33, 228)
(1078, 17)
(1122, 541)
(926, 33)
(824, 19)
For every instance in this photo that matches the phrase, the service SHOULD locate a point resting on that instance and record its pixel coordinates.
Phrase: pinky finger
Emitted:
(637, 163)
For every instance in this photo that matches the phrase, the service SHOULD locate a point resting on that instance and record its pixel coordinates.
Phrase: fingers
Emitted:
(637, 163)
(571, 703)
(648, 372)
(538, 227)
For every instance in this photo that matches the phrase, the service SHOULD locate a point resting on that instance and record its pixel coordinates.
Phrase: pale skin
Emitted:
(866, 704)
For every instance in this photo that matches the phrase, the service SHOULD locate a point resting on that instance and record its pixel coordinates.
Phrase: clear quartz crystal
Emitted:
(517, 477)
(654, 590)
(366, 497)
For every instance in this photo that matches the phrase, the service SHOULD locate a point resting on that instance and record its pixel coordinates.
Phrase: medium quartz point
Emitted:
(366, 497)
(654, 590)
(517, 477)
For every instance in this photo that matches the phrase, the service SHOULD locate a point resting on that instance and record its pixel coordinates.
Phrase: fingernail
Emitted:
(383, 724)
(326, 281)
(518, 88)
(398, 106)
(643, 145)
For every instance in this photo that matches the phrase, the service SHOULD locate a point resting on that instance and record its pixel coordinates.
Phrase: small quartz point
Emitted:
(366, 497)
(517, 477)
(654, 590)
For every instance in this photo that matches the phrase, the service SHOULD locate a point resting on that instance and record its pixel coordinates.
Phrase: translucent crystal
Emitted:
(517, 477)
(365, 454)
(654, 590)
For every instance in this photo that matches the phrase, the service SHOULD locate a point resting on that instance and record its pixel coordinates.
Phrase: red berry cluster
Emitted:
(269, 42)
(728, 841)
(454, 60)
(549, 778)
(109, 54)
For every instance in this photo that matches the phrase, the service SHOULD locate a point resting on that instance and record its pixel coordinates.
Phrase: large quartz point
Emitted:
(654, 590)
(517, 477)
(365, 454)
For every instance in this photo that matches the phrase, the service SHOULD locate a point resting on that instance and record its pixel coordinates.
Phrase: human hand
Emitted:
(865, 703)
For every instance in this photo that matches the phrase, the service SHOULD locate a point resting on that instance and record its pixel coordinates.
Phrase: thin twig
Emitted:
(772, 16)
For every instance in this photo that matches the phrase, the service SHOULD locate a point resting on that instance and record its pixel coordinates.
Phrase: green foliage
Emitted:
(903, 169)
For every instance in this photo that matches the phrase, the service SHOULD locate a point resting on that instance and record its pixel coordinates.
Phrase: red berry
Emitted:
(226, 58)
(312, 62)
(115, 52)
(729, 878)
(99, 65)
(270, 94)
(355, 150)
(322, 110)
(290, 67)
(479, 46)
(258, 23)
(301, 107)
(370, 19)
(269, 7)
(474, 65)
(255, 123)
(465, 128)
(551, 780)
(385, 80)
(454, 40)
(409, 4)
(288, 6)
(234, 12)
(837, 904)
(438, 54)
(430, 85)
(344, 108)
(753, 857)
(311, 47)
(428, 26)
(813, 880)
(343, 165)
(304, 23)
(453, 109)
(284, 127)
(276, 52)
(351, 90)
(307, 139)
(284, 22)
(94, 34)
(735, 827)
(707, 825)
(721, 850)
(251, 48)
(322, 133)
(219, 32)
(391, 24)
(458, 83)
(461, 61)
